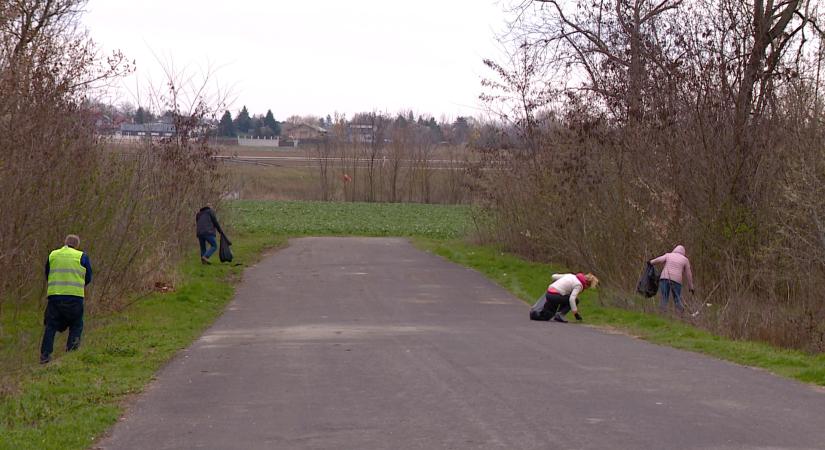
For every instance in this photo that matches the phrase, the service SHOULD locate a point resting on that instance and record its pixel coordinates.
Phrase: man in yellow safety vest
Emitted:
(68, 271)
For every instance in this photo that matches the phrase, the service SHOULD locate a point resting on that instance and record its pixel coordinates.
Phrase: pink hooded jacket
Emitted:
(676, 264)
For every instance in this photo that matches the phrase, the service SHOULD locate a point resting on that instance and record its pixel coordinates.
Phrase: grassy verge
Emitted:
(527, 280)
(69, 402)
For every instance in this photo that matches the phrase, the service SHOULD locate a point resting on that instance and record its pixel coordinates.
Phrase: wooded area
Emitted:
(132, 210)
(645, 124)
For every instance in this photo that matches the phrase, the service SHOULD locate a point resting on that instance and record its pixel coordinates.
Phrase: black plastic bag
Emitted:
(538, 311)
(648, 284)
(225, 253)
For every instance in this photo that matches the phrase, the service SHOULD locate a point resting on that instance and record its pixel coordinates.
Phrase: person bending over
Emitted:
(562, 295)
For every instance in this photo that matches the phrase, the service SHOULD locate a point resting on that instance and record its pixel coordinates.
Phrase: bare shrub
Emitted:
(133, 207)
(670, 122)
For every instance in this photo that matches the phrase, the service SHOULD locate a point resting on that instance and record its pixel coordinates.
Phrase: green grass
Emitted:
(527, 280)
(350, 219)
(72, 400)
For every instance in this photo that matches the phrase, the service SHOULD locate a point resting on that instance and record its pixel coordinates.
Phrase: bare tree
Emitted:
(398, 152)
(371, 140)
(672, 121)
(611, 43)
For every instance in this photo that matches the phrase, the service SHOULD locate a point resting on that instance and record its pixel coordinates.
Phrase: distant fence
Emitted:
(258, 141)
(125, 139)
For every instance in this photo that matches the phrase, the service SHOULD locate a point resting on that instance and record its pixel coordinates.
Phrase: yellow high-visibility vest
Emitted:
(66, 275)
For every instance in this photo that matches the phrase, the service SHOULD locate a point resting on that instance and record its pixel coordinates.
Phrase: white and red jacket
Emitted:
(568, 284)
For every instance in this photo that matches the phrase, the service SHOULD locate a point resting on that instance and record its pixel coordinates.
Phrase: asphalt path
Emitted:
(360, 343)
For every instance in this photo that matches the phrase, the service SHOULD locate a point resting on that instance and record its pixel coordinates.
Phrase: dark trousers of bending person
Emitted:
(556, 303)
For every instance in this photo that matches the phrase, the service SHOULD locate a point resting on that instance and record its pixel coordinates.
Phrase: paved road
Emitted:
(351, 343)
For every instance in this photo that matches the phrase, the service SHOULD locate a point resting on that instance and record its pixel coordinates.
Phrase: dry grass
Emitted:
(257, 182)
(349, 175)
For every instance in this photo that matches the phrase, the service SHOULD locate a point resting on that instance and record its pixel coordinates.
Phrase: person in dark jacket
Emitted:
(207, 225)
(68, 271)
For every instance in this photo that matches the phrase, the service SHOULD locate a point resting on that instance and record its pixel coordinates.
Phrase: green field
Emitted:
(351, 219)
(73, 400)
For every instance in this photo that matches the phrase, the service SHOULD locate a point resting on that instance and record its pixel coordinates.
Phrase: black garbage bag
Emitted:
(648, 283)
(225, 253)
(538, 311)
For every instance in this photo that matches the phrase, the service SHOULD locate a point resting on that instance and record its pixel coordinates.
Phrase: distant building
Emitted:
(107, 124)
(302, 131)
(297, 133)
(157, 129)
(362, 133)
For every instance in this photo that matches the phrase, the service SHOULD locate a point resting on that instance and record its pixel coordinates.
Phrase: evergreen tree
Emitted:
(435, 130)
(400, 121)
(243, 122)
(226, 127)
(461, 130)
(140, 115)
(271, 123)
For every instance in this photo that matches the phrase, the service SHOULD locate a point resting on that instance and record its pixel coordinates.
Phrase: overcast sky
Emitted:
(313, 57)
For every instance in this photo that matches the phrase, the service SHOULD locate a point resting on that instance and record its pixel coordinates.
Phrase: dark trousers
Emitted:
(557, 304)
(203, 239)
(62, 313)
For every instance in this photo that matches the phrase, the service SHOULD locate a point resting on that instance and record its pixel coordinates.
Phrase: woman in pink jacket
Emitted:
(676, 269)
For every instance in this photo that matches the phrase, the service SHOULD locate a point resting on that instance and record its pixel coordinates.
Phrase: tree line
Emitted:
(461, 130)
(246, 125)
(458, 131)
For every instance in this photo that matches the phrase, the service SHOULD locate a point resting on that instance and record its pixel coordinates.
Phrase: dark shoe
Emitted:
(204, 260)
(45, 359)
(559, 318)
(70, 347)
